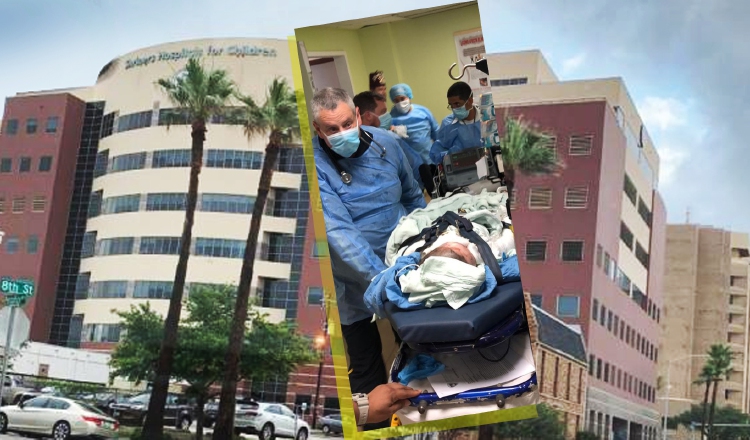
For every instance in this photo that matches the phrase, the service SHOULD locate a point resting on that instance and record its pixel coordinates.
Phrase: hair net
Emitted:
(400, 90)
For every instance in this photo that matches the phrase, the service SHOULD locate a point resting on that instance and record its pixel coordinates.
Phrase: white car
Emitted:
(58, 417)
(271, 420)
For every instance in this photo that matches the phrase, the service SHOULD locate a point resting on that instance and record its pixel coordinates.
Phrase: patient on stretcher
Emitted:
(453, 250)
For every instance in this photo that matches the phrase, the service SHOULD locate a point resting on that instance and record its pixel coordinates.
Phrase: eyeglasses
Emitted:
(451, 107)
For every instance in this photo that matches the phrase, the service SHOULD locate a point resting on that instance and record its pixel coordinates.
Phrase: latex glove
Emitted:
(400, 130)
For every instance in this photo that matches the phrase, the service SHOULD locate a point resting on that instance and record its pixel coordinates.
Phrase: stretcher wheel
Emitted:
(422, 407)
(500, 400)
(532, 388)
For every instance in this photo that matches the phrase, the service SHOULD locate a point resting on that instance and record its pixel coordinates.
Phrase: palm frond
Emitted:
(276, 117)
(526, 150)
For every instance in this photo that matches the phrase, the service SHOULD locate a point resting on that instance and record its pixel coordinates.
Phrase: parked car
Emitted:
(56, 416)
(331, 424)
(272, 421)
(244, 408)
(13, 385)
(25, 396)
(133, 411)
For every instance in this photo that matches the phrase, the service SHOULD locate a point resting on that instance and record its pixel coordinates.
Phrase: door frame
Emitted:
(338, 56)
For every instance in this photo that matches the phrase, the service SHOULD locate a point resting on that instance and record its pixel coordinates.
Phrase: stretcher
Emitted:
(478, 326)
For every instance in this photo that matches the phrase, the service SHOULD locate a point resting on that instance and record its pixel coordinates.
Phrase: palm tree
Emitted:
(201, 94)
(526, 151)
(720, 356)
(705, 377)
(277, 118)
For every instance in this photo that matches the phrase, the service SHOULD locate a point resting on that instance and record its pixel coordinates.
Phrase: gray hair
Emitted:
(329, 99)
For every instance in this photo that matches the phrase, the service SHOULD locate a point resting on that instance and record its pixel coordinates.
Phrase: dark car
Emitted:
(177, 411)
(330, 424)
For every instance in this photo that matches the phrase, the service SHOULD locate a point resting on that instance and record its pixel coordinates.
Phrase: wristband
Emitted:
(363, 404)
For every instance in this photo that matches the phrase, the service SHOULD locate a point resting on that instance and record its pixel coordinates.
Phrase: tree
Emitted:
(724, 415)
(720, 359)
(546, 426)
(707, 372)
(277, 118)
(526, 151)
(202, 343)
(202, 94)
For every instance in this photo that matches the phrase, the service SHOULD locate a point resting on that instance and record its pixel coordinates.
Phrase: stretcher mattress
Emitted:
(446, 325)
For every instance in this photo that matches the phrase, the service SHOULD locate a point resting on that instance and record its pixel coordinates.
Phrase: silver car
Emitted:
(57, 417)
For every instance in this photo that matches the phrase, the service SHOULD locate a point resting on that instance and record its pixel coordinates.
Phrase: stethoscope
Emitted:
(345, 176)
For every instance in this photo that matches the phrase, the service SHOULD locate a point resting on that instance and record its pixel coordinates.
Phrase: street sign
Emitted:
(16, 287)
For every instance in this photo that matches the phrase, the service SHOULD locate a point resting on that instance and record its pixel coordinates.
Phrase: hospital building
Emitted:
(93, 184)
(591, 240)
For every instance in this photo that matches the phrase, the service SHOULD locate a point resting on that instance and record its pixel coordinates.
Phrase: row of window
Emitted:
(277, 249)
(568, 306)
(19, 205)
(226, 203)
(570, 250)
(627, 334)
(12, 244)
(627, 237)
(609, 265)
(24, 164)
(32, 125)
(576, 197)
(173, 116)
(631, 194)
(617, 377)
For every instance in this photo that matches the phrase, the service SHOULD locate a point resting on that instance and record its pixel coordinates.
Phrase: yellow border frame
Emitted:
(334, 323)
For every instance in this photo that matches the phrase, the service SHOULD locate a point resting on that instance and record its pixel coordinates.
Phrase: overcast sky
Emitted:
(683, 61)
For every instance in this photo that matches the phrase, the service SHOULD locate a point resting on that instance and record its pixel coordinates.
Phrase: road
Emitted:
(314, 436)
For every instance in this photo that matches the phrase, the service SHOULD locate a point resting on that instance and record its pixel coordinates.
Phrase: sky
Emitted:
(683, 62)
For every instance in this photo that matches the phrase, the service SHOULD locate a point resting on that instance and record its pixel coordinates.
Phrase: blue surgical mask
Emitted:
(385, 120)
(461, 113)
(345, 143)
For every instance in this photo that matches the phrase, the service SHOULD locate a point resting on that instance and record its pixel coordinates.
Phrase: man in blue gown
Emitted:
(462, 128)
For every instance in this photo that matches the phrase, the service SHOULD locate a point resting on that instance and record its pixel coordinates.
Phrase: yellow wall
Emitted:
(417, 52)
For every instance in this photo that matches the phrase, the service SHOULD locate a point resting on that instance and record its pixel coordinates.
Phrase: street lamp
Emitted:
(666, 398)
(320, 342)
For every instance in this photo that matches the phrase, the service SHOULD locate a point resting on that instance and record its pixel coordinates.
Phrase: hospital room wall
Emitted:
(325, 39)
(419, 52)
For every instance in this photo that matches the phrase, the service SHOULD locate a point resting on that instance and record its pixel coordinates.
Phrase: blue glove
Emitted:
(421, 367)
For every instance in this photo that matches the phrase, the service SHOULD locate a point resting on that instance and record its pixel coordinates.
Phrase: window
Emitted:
(101, 333)
(320, 249)
(11, 127)
(160, 245)
(83, 281)
(127, 162)
(153, 289)
(45, 164)
(116, 246)
(166, 202)
(619, 378)
(38, 204)
(603, 315)
(595, 310)
(89, 244)
(239, 159)
(540, 198)
(508, 82)
(572, 251)
(108, 289)
(626, 235)
(592, 364)
(280, 247)
(102, 163)
(536, 300)
(31, 126)
(19, 205)
(617, 325)
(641, 255)
(134, 121)
(2, 205)
(598, 368)
(599, 255)
(59, 404)
(219, 247)
(513, 196)
(623, 281)
(120, 204)
(622, 330)
(609, 320)
(568, 306)
(6, 165)
(315, 295)
(11, 244)
(95, 204)
(581, 145)
(52, 122)
(630, 191)
(171, 158)
(32, 244)
(25, 165)
(577, 197)
(536, 250)
(229, 203)
(644, 212)
(37, 402)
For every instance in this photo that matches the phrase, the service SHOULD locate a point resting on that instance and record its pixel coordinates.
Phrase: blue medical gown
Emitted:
(415, 161)
(360, 216)
(421, 127)
(454, 136)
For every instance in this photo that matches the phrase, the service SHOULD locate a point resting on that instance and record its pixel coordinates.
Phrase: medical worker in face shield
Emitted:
(374, 112)
(461, 129)
(366, 186)
(421, 126)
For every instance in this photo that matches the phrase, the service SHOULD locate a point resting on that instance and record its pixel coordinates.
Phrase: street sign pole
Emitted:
(6, 350)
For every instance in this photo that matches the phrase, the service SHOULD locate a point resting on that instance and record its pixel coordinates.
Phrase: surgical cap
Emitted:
(400, 90)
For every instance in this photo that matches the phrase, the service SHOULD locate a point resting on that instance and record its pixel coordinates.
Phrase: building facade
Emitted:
(93, 186)
(591, 237)
(705, 303)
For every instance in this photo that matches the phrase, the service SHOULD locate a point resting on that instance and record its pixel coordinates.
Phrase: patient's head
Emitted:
(454, 250)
